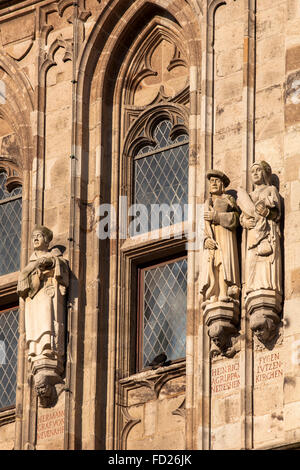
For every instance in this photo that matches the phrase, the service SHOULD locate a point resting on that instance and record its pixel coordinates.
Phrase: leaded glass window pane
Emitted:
(164, 311)
(161, 177)
(10, 223)
(8, 356)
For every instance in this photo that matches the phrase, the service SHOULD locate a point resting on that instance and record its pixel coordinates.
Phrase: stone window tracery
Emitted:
(157, 155)
(160, 176)
(155, 152)
(150, 148)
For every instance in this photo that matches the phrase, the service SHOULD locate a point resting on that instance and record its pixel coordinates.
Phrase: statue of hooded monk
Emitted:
(42, 284)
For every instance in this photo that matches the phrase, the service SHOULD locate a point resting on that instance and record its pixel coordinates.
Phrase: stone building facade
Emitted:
(95, 97)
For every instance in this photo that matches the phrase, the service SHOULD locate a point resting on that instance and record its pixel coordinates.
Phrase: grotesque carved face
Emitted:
(257, 174)
(43, 388)
(219, 341)
(215, 185)
(263, 328)
(261, 332)
(39, 240)
(218, 336)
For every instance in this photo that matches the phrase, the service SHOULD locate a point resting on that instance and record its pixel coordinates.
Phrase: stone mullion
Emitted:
(193, 318)
(26, 402)
(75, 327)
(208, 131)
(114, 300)
(247, 159)
(38, 182)
(22, 360)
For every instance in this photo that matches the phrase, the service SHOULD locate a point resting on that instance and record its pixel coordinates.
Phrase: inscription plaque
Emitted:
(50, 429)
(268, 367)
(225, 377)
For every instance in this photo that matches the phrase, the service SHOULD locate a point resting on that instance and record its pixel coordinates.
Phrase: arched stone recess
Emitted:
(99, 137)
(17, 113)
(58, 17)
(158, 70)
(16, 106)
(153, 402)
(17, 160)
(49, 60)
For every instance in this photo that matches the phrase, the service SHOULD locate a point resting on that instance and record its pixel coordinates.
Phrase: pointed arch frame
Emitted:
(95, 82)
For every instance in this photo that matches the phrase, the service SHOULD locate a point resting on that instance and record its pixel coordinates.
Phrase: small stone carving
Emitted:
(223, 335)
(44, 385)
(220, 286)
(261, 212)
(264, 326)
(42, 284)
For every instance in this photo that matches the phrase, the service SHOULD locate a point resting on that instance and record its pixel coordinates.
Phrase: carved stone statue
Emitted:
(42, 284)
(221, 278)
(261, 212)
(220, 286)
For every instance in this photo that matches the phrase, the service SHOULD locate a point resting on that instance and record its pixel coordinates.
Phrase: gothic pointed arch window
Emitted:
(155, 155)
(10, 247)
(10, 220)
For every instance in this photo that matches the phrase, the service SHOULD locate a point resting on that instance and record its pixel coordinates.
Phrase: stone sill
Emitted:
(176, 368)
(174, 232)
(7, 416)
(8, 288)
(291, 446)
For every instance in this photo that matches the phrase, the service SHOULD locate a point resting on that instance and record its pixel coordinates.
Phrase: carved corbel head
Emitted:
(221, 334)
(264, 327)
(44, 385)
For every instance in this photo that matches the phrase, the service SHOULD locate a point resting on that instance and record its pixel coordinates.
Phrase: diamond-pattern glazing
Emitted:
(10, 223)
(162, 178)
(164, 311)
(9, 335)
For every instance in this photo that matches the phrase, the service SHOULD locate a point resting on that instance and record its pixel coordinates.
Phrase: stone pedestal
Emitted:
(46, 375)
(54, 366)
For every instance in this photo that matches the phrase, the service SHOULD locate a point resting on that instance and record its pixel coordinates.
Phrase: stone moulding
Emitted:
(49, 60)
(181, 410)
(154, 379)
(129, 423)
(142, 67)
(147, 122)
(7, 416)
